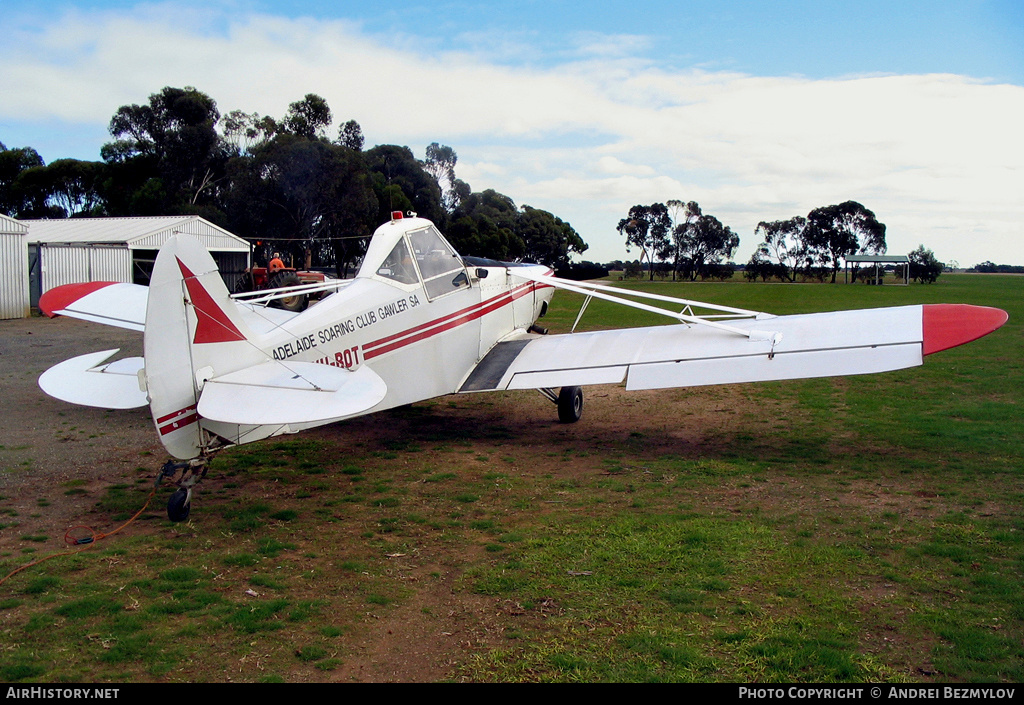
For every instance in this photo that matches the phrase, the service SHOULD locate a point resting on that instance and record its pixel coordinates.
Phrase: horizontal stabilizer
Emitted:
(290, 393)
(83, 380)
(111, 303)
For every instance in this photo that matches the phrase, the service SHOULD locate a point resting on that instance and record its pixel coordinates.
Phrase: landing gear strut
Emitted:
(185, 475)
(569, 401)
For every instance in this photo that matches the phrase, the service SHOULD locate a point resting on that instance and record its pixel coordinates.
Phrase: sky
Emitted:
(758, 111)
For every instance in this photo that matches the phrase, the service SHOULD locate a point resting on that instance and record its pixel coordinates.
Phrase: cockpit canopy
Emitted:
(411, 250)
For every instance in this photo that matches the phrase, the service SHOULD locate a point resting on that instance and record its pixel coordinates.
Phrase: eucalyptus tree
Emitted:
(924, 266)
(837, 231)
(310, 197)
(647, 227)
(548, 239)
(17, 198)
(701, 242)
(166, 153)
(783, 246)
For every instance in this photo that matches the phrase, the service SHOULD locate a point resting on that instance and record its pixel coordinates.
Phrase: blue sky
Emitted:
(757, 110)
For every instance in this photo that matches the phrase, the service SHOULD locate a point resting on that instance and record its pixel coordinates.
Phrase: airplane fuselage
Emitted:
(421, 348)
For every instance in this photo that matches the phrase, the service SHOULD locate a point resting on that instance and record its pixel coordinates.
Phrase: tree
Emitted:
(647, 227)
(548, 240)
(834, 232)
(583, 271)
(485, 225)
(702, 242)
(173, 139)
(309, 118)
(924, 267)
(17, 199)
(761, 266)
(351, 135)
(69, 187)
(244, 131)
(632, 270)
(440, 163)
(309, 196)
(401, 183)
(783, 246)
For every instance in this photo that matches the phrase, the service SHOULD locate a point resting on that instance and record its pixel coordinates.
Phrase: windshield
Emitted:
(398, 266)
(438, 262)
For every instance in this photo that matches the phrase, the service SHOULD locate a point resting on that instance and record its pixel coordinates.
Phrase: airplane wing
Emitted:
(112, 303)
(124, 306)
(732, 347)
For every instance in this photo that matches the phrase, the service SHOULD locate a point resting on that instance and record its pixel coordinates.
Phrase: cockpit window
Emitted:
(398, 265)
(439, 264)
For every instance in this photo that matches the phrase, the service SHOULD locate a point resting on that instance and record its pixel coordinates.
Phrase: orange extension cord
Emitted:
(84, 541)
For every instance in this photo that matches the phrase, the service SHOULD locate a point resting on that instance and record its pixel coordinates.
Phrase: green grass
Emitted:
(857, 529)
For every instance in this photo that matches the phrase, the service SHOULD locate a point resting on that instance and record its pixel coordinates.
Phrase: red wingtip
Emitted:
(60, 297)
(949, 325)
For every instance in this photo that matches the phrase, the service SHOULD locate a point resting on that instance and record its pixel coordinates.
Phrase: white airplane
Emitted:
(419, 321)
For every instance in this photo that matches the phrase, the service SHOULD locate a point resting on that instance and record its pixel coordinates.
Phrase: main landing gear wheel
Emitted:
(570, 404)
(179, 505)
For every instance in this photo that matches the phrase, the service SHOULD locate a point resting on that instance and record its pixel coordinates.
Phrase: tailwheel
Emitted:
(179, 505)
(185, 475)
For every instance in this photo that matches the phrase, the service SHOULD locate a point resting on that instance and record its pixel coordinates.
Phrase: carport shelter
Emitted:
(878, 261)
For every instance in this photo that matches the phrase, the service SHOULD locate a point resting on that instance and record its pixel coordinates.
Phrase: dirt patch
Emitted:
(48, 444)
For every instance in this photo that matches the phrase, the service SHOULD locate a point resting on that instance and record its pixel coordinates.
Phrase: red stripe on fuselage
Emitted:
(443, 319)
(175, 425)
(453, 320)
(179, 412)
(177, 419)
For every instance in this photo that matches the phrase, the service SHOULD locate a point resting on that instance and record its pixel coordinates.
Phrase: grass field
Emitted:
(852, 529)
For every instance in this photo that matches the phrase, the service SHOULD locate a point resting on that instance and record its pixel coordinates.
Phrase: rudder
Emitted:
(193, 332)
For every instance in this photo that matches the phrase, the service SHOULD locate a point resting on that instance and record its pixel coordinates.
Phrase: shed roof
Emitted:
(10, 225)
(135, 233)
(878, 258)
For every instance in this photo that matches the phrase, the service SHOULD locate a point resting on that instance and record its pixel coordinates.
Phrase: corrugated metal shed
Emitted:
(120, 249)
(136, 233)
(14, 293)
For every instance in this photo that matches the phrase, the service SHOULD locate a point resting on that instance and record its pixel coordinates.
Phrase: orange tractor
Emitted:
(276, 276)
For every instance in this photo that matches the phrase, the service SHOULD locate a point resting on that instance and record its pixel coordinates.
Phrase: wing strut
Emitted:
(591, 290)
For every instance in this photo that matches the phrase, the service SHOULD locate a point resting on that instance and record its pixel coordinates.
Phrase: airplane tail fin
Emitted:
(193, 332)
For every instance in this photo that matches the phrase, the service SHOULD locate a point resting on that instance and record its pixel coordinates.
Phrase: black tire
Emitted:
(570, 404)
(297, 302)
(243, 285)
(178, 506)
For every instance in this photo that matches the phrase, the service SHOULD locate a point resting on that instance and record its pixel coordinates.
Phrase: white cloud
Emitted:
(939, 158)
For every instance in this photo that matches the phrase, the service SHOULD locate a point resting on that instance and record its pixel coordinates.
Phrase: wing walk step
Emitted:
(486, 375)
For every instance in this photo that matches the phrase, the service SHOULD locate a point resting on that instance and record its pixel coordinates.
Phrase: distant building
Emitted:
(118, 249)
